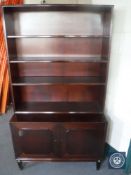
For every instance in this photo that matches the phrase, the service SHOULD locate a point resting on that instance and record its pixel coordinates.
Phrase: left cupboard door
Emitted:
(34, 140)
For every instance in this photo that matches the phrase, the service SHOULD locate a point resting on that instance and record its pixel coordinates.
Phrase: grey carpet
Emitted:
(8, 164)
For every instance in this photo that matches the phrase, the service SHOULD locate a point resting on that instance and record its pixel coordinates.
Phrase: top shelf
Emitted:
(58, 36)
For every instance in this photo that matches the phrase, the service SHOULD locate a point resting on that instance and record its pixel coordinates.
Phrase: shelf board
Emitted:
(59, 7)
(57, 36)
(61, 58)
(22, 81)
(97, 118)
(58, 107)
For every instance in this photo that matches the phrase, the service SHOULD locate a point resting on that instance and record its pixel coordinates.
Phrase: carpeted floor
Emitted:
(8, 164)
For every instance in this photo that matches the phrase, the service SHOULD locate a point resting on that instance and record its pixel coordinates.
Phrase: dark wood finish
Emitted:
(58, 61)
(28, 47)
(61, 117)
(21, 81)
(61, 16)
(59, 107)
(80, 140)
(59, 93)
(58, 69)
(57, 36)
(46, 137)
(40, 135)
(74, 59)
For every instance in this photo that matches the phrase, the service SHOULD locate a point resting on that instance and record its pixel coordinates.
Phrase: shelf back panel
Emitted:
(42, 47)
(58, 69)
(58, 93)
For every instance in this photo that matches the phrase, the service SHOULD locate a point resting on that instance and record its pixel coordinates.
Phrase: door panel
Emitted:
(36, 141)
(66, 140)
(34, 138)
(81, 140)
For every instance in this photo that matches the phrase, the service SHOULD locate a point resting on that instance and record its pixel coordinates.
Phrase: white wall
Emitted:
(118, 101)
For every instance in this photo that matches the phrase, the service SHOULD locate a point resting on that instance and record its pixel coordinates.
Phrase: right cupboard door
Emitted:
(84, 140)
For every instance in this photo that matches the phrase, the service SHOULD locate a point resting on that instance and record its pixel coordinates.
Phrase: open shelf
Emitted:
(58, 107)
(22, 81)
(57, 36)
(60, 58)
(87, 46)
(58, 118)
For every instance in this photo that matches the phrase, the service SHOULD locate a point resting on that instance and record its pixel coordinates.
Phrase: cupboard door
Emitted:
(34, 139)
(83, 140)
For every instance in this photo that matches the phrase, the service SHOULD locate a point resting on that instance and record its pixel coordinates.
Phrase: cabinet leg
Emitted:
(20, 164)
(98, 164)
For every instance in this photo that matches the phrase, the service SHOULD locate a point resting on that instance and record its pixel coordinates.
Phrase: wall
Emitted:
(118, 101)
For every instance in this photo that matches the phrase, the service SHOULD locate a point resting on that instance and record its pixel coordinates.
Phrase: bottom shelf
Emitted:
(59, 107)
(95, 118)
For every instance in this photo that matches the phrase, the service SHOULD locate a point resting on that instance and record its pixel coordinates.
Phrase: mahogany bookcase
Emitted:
(58, 59)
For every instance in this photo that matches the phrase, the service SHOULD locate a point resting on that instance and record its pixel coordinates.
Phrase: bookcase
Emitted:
(58, 59)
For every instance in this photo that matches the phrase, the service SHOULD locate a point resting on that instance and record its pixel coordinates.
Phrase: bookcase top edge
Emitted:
(91, 6)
